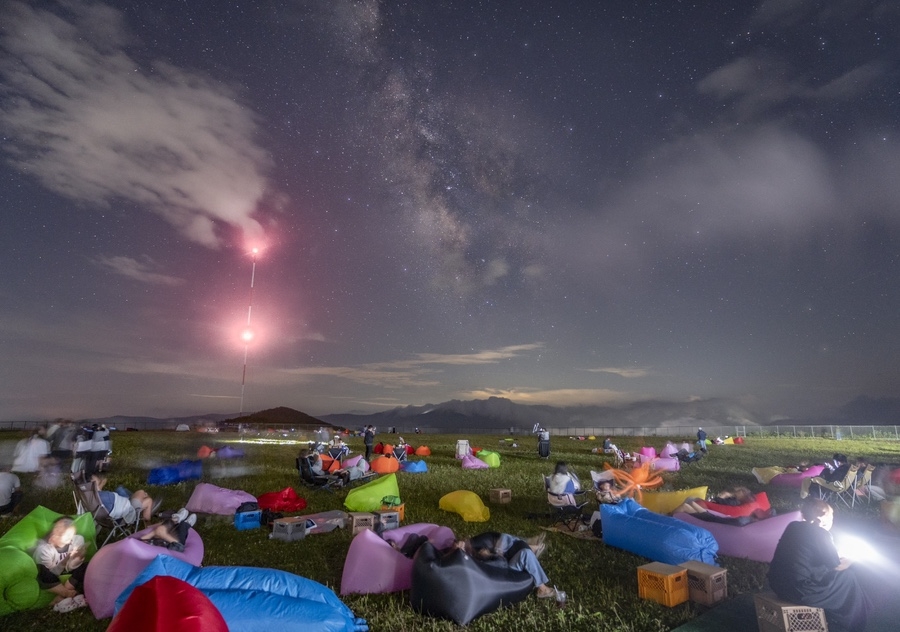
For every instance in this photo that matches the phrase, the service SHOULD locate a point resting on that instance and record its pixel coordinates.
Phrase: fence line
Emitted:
(837, 432)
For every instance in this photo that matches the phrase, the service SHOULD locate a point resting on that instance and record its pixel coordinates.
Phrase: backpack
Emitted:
(247, 506)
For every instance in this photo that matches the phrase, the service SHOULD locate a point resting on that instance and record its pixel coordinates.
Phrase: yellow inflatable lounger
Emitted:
(667, 502)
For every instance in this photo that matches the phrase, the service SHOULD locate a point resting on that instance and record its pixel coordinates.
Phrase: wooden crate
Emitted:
(707, 584)
(776, 615)
(663, 583)
(501, 496)
(360, 521)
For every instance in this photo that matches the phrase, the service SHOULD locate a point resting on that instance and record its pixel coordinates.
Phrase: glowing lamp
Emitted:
(247, 335)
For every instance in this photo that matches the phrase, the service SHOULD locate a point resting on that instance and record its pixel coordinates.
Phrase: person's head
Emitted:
(604, 485)
(561, 468)
(816, 511)
(744, 495)
(61, 532)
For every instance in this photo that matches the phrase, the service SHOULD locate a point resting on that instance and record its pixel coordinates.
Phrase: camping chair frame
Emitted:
(844, 490)
(688, 458)
(862, 487)
(400, 453)
(87, 500)
(338, 453)
(568, 507)
(313, 480)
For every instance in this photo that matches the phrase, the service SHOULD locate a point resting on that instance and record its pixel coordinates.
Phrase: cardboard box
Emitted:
(501, 496)
(361, 520)
(707, 584)
(291, 529)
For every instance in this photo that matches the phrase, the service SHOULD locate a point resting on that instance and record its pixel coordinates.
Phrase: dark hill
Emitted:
(282, 416)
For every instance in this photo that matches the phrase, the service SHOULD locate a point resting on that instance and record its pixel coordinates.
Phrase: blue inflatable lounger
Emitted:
(629, 526)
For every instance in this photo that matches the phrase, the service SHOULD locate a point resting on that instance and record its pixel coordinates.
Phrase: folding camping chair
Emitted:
(568, 507)
(313, 480)
(338, 453)
(604, 477)
(87, 500)
(863, 491)
(844, 490)
(686, 458)
(400, 452)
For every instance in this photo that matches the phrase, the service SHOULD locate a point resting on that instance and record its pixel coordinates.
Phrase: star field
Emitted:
(554, 202)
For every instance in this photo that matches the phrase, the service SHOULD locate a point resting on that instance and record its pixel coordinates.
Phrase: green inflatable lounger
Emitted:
(19, 589)
(368, 497)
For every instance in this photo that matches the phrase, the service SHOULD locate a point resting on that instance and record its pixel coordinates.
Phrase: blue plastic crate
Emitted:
(247, 520)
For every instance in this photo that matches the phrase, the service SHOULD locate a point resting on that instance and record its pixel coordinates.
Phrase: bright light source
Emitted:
(857, 549)
(247, 335)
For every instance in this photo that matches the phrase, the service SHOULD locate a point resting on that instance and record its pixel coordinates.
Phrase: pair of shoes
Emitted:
(538, 544)
(70, 603)
(180, 516)
(545, 592)
(191, 520)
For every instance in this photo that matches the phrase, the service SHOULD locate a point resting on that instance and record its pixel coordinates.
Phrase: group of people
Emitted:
(49, 447)
(62, 551)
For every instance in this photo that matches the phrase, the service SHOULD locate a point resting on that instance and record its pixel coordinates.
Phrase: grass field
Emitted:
(600, 581)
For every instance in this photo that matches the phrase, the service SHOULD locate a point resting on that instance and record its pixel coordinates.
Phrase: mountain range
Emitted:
(501, 413)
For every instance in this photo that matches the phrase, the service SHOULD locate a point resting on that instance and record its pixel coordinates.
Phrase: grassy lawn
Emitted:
(601, 581)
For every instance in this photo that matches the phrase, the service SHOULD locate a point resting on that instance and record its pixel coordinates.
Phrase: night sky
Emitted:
(555, 201)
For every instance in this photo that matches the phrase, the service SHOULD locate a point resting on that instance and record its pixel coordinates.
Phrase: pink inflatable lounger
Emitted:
(754, 541)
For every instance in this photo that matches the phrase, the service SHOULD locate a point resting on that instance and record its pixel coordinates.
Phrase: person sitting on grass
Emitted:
(124, 506)
(516, 553)
(62, 552)
(173, 532)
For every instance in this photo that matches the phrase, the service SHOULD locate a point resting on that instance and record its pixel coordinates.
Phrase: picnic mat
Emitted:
(587, 534)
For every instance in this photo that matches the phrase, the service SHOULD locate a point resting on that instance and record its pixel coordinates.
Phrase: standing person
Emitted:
(100, 445)
(82, 463)
(369, 440)
(10, 492)
(806, 569)
(701, 439)
(31, 452)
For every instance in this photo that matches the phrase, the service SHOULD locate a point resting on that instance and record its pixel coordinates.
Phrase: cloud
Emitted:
(138, 270)
(95, 125)
(556, 397)
(416, 372)
(760, 83)
(622, 372)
